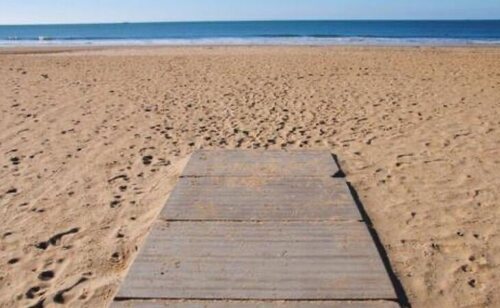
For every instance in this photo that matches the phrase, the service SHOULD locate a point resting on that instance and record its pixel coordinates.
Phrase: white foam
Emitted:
(253, 41)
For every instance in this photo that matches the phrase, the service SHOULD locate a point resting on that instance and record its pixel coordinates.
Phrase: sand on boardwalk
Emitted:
(91, 143)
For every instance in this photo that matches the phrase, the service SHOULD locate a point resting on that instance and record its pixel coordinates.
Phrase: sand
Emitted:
(92, 142)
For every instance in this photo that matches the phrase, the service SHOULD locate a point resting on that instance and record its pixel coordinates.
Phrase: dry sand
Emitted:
(91, 143)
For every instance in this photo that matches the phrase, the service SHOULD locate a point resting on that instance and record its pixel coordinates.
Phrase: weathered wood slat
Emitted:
(273, 260)
(251, 304)
(267, 198)
(261, 163)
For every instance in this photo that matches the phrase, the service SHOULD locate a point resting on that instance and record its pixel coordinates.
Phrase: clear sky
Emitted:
(88, 11)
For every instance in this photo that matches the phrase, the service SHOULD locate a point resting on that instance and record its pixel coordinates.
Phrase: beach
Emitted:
(93, 140)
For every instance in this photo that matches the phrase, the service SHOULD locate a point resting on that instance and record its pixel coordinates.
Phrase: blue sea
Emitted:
(457, 32)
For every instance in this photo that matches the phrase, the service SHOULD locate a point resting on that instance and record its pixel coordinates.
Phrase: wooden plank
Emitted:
(262, 260)
(268, 198)
(261, 163)
(251, 304)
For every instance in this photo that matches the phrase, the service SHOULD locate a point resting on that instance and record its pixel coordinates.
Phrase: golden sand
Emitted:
(91, 143)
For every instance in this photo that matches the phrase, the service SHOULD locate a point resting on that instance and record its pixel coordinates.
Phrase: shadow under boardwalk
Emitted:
(249, 228)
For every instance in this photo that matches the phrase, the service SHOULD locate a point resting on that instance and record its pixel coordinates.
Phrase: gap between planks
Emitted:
(262, 220)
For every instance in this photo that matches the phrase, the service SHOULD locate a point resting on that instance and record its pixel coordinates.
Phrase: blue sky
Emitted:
(88, 11)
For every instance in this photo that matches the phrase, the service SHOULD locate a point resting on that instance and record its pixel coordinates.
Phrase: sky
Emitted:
(95, 11)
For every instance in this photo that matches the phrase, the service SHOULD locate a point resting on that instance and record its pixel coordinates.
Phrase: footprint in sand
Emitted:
(46, 275)
(56, 239)
(59, 297)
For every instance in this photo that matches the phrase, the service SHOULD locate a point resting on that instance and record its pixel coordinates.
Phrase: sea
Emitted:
(324, 32)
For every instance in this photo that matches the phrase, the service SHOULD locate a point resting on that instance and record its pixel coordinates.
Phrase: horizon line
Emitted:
(245, 20)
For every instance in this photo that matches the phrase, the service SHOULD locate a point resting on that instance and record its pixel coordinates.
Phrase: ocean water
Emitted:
(460, 32)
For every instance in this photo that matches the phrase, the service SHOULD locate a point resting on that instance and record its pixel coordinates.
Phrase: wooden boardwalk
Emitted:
(259, 229)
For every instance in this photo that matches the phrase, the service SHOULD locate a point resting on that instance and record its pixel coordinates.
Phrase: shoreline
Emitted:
(495, 43)
(26, 50)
